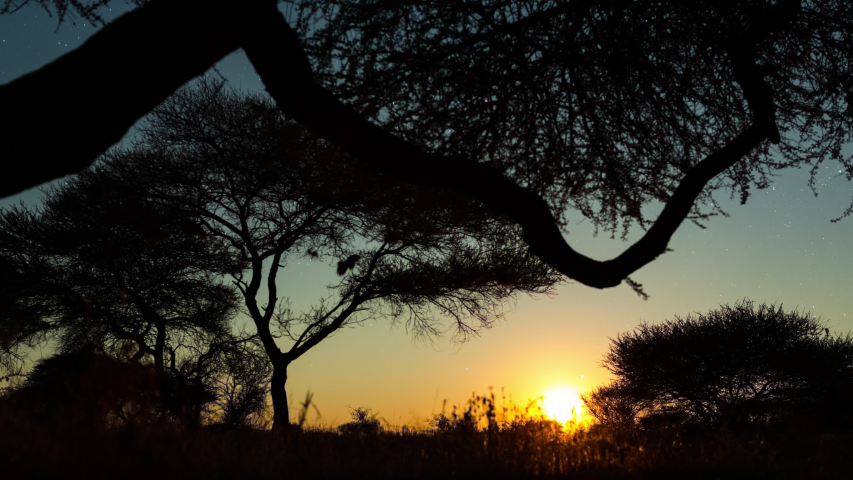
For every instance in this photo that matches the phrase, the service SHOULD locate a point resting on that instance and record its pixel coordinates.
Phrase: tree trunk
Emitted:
(281, 412)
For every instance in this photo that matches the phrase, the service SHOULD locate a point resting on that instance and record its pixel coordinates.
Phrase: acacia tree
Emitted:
(737, 365)
(272, 193)
(96, 268)
(529, 106)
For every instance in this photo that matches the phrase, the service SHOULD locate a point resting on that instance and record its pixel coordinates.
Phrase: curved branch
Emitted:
(193, 34)
(67, 113)
(279, 59)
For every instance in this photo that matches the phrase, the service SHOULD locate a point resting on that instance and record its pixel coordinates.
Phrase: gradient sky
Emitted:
(778, 248)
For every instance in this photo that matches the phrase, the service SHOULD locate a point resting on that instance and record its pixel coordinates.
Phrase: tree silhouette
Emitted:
(242, 392)
(99, 268)
(618, 405)
(530, 107)
(738, 365)
(83, 392)
(272, 193)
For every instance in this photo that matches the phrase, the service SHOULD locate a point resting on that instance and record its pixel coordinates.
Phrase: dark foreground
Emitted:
(514, 450)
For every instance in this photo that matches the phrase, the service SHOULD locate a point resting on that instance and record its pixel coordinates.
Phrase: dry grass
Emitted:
(481, 440)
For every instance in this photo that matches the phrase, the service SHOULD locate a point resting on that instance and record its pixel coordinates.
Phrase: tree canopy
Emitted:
(98, 269)
(737, 365)
(234, 178)
(531, 107)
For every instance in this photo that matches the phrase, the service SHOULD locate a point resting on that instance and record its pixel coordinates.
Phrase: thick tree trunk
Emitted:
(281, 411)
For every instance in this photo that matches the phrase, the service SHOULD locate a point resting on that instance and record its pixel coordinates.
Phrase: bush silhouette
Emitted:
(88, 391)
(735, 366)
(85, 392)
(362, 423)
(617, 405)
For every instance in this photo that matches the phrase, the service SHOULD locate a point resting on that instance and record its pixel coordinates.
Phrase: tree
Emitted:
(270, 193)
(99, 270)
(738, 365)
(617, 405)
(527, 106)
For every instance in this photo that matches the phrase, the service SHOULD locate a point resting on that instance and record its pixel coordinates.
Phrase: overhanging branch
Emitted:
(279, 59)
(58, 119)
(122, 72)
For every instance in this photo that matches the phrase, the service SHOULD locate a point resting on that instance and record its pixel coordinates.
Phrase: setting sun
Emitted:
(559, 402)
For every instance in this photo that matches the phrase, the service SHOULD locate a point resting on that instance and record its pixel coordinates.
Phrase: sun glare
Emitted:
(562, 404)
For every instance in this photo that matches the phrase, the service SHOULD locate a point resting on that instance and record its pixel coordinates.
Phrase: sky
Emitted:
(781, 247)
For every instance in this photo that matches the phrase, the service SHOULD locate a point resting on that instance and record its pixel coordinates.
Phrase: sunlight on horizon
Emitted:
(562, 403)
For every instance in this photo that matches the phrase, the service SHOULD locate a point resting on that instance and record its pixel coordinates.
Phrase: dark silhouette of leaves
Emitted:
(531, 107)
(737, 365)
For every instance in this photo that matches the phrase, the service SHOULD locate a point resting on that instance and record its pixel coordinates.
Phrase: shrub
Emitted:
(363, 423)
(738, 365)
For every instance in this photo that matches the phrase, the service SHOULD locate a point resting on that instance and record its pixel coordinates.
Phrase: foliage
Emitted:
(270, 192)
(241, 393)
(85, 392)
(737, 365)
(94, 264)
(98, 267)
(612, 103)
(530, 106)
(218, 188)
(617, 405)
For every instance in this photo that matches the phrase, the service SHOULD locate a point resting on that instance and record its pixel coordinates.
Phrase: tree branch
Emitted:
(72, 110)
(192, 35)
(279, 59)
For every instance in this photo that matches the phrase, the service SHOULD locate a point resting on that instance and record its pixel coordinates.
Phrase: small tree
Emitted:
(737, 365)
